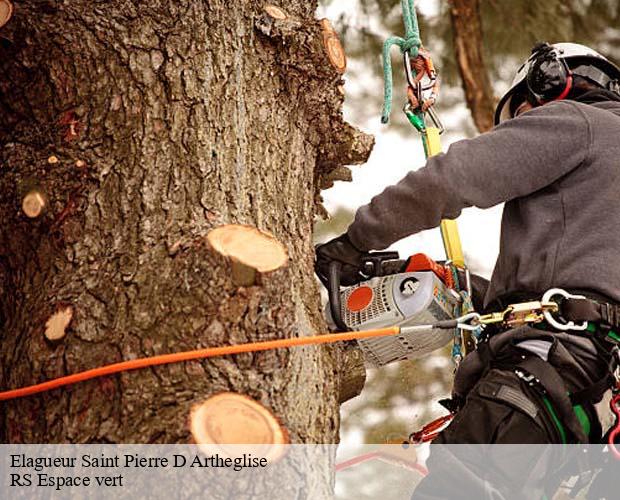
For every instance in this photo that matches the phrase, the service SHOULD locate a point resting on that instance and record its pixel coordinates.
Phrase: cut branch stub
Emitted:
(304, 47)
(275, 12)
(338, 174)
(326, 26)
(349, 146)
(56, 326)
(333, 47)
(34, 203)
(6, 11)
(249, 250)
(228, 419)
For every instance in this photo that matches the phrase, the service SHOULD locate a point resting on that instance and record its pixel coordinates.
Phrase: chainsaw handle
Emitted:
(373, 264)
(333, 290)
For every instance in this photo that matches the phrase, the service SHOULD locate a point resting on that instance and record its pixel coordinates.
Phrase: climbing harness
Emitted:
(561, 311)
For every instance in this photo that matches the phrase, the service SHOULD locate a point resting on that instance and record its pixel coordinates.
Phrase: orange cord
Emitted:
(177, 357)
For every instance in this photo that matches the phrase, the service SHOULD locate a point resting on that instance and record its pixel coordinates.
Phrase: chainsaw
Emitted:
(394, 292)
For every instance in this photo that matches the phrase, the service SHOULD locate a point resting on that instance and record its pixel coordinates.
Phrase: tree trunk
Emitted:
(468, 45)
(144, 125)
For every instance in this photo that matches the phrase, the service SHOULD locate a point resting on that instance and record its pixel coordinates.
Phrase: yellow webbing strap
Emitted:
(449, 229)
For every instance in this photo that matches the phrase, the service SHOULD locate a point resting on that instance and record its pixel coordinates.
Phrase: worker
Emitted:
(554, 159)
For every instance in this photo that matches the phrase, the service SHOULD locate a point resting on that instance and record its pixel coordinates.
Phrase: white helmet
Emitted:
(582, 61)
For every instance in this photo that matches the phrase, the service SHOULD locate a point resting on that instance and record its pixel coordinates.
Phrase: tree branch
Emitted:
(314, 60)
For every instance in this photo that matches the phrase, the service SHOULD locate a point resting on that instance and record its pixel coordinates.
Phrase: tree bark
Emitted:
(167, 119)
(468, 45)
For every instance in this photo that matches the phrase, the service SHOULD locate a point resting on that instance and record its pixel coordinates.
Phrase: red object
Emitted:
(615, 433)
(422, 262)
(384, 457)
(359, 299)
(565, 92)
(430, 431)
(567, 89)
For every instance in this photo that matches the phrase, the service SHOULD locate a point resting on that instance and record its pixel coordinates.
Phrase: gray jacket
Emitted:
(557, 167)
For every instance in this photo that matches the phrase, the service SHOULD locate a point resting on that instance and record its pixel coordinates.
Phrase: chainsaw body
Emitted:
(409, 298)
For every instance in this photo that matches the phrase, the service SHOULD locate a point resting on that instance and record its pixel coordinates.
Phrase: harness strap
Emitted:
(483, 359)
(606, 315)
(594, 393)
(555, 389)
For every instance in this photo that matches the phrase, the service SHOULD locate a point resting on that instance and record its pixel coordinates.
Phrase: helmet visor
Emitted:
(511, 101)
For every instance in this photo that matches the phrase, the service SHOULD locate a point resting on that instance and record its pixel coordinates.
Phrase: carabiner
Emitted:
(415, 120)
(429, 67)
(435, 118)
(416, 89)
(569, 325)
(469, 321)
(428, 70)
(411, 81)
(430, 431)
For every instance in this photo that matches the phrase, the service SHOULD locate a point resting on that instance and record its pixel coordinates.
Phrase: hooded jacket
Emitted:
(557, 167)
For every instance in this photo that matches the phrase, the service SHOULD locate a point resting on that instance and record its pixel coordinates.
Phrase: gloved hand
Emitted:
(339, 249)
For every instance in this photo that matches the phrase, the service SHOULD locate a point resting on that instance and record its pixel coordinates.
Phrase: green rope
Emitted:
(410, 43)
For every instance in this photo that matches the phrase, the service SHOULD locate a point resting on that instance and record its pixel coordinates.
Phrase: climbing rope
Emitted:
(409, 44)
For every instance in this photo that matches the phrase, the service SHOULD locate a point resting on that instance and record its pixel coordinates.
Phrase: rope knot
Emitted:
(410, 43)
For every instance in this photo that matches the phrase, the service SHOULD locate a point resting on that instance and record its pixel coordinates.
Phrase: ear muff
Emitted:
(549, 78)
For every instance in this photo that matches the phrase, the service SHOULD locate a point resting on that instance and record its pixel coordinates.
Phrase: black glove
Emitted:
(341, 250)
